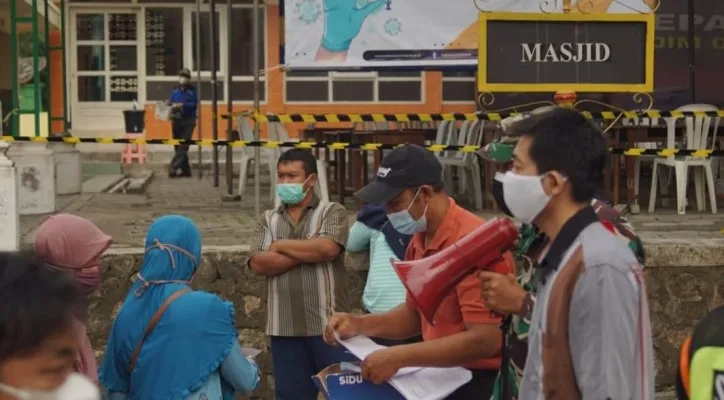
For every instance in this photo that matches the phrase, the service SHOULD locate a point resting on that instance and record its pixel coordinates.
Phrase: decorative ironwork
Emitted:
(638, 98)
(548, 6)
(481, 9)
(485, 99)
(583, 6)
(587, 6)
(646, 100)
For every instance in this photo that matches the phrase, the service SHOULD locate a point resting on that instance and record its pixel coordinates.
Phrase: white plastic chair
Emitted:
(470, 134)
(443, 131)
(664, 179)
(450, 159)
(247, 158)
(697, 132)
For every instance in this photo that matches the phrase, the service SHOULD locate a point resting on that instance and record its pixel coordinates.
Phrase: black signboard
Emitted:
(576, 52)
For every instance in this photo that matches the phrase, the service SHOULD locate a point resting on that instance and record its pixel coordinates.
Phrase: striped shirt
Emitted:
(383, 290)
(300, 300)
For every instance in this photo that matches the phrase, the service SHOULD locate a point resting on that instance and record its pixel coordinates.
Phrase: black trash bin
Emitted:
(135, 120)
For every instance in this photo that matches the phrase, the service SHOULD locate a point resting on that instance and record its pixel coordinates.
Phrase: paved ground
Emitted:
(126, 217)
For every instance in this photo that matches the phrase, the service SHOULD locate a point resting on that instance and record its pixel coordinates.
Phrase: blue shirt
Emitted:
(188, 97)
(383, 290)
(236, 370)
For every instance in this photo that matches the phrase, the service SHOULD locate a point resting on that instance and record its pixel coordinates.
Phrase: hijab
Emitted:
(193, 336)
(72, 243)
(375, 217)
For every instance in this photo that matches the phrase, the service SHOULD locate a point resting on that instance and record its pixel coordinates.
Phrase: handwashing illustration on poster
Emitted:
(405, 33)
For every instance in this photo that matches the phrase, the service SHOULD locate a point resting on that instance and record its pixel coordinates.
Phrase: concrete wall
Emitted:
(680, 294)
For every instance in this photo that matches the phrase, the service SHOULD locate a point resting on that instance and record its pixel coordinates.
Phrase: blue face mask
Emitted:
(404, 223)
(291, 193)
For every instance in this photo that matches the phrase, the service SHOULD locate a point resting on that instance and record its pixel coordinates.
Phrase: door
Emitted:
(104, 66)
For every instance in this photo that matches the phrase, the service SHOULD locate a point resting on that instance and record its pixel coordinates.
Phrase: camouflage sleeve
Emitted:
(623, 228)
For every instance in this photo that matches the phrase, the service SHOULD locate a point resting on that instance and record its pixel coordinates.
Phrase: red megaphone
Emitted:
(430, 279)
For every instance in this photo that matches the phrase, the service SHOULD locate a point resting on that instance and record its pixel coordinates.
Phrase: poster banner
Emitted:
(339, 34)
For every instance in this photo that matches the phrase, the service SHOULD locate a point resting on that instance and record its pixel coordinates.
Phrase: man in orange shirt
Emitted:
(465, 333)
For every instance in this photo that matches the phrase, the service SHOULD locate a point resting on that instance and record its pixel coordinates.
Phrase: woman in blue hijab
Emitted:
(169, 342)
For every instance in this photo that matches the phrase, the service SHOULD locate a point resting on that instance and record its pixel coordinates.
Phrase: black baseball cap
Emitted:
(405, 167)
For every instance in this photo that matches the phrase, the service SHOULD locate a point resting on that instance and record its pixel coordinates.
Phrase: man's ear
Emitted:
(427, 190)
(312, 180)
(554, 183)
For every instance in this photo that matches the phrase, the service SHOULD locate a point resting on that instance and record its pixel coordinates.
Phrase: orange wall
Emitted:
(275, 96)
(56, 80)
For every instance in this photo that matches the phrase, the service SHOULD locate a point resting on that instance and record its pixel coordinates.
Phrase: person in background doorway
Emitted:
(299, 247)
(589, 333)
(74, 244)
(509, 294)
(464, 332)
(171, 342)
(383, 291)
(40, 309)
(184, 100)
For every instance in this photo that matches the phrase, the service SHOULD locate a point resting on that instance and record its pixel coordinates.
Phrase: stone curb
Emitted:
(684, 252)
(659, 252)
(120, 251)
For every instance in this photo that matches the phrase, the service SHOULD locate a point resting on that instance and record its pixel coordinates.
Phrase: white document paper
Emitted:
(250, 352)
(431, 383)
(362, 346)
(415, 383)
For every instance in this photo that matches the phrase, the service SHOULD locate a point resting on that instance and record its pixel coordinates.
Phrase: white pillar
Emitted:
(68, 173)
(9, 215)
(35, 172)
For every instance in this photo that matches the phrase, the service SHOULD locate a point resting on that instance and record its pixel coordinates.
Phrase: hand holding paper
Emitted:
(414, 383)
(381, 365)
(341, 326)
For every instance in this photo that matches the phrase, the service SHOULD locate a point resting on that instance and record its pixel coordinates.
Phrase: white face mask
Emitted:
(183, 81)
(76, 387)
(524, 195)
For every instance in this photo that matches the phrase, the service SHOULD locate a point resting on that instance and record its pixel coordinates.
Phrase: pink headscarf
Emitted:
(73, 243)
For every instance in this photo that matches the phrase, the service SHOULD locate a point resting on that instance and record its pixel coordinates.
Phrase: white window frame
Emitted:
(265, 55)
(188, 20)
(106, 73)
(347, 76)
(455, 79)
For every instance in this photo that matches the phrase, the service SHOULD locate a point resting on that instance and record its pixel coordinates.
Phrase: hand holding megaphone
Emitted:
(430, 279)
(501, 292)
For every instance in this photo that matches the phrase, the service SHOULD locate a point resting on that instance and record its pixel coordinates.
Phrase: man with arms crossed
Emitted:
(465, 332)
(298, 246)
(590, 334)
